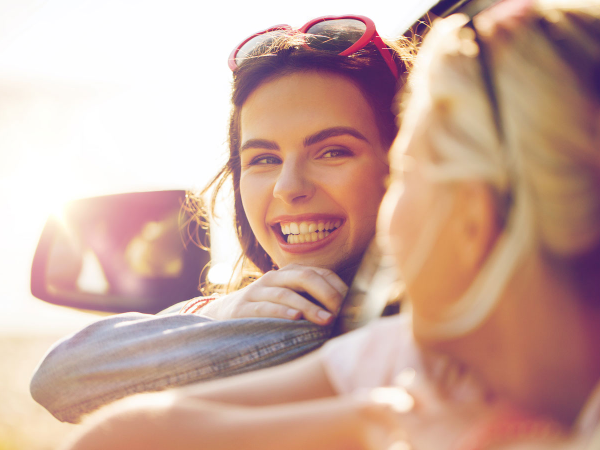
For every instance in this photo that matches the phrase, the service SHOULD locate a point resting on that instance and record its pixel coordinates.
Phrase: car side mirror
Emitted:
(120, 253)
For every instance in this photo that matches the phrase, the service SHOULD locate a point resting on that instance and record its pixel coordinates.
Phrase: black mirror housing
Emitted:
(120, 253)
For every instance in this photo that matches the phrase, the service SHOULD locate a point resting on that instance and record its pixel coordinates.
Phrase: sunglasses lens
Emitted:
(259, 45)
(335, 35)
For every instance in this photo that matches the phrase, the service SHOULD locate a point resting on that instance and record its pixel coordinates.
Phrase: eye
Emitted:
(264, 160)
(336, 153)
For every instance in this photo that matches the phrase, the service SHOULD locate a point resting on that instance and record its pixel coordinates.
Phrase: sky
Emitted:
(109, 96)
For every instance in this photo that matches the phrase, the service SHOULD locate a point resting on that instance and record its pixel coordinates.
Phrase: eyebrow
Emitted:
(308, 141)
(259, 143)
(333, 132)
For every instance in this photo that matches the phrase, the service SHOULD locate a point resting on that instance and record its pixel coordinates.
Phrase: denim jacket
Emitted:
(131, 353)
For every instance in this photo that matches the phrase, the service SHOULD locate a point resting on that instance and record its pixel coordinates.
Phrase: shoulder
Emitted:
(371, 356)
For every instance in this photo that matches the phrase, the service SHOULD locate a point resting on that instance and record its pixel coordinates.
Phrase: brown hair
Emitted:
(366, 68)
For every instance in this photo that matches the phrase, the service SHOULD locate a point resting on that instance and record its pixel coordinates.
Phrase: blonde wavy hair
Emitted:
(540, 155)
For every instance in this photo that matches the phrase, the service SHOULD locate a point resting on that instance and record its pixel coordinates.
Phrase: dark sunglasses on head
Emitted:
(342, 35)
(488, 80)
(489, 84)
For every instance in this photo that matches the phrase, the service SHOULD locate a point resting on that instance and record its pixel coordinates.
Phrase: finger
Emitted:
(330, 276)
(306, 279)
(427, 396)
(388, 415)
(333, 279)
(268, 309)
(289, 299)
(398, 399)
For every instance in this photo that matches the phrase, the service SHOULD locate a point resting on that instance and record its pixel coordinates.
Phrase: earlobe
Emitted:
(477, 226)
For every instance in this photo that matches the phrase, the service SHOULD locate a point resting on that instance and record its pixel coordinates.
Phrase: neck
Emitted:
(539, 348)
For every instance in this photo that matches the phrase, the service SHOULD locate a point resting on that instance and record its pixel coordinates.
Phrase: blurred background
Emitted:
(107, 96)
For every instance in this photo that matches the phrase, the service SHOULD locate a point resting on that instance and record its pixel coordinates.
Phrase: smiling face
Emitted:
(312, 169)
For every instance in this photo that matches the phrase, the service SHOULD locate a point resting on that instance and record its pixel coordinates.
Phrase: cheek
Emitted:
(403, 217)
(367, 185)
(364, 194)
(254, 195)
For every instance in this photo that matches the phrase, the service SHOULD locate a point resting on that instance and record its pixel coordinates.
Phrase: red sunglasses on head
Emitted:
(343, 35)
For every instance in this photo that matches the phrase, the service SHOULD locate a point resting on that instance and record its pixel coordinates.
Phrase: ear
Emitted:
(475, 226)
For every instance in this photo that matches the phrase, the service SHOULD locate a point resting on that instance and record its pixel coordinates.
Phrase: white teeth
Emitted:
(295, 233)
(307, 237)
(303, 228)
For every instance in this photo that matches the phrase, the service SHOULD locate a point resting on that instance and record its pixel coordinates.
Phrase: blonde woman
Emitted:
(493, 218)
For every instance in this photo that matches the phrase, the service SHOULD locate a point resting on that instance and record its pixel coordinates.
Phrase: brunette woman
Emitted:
(310, 128)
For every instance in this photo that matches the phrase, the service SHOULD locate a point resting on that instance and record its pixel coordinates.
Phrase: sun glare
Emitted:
(120, 96)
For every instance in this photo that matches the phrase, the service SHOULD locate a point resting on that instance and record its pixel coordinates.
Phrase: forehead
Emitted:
(304, 103)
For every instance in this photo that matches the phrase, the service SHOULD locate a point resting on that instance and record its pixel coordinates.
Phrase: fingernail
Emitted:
(292, 312)
(324, 315)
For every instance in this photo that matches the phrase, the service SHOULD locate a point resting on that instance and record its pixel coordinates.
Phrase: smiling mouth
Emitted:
(308, 231)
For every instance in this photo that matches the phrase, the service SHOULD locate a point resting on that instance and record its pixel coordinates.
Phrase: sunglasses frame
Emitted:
(487, 76)
(370, 35)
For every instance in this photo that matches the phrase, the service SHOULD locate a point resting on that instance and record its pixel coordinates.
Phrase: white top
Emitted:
(380, 353)
(371, 356)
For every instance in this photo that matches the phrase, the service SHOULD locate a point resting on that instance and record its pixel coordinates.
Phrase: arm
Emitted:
(132, 353)
(295, 381)
(422, 420)
(161, 421)
(363, 359)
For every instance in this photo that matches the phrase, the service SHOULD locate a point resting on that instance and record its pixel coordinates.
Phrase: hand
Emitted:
(393, 418)
(278, 294)
(424, 417)
(420, 413)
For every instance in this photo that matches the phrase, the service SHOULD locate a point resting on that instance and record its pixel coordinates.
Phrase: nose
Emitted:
(293, 183)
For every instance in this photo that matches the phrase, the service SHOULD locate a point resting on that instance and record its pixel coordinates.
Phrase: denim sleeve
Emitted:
(131, 353)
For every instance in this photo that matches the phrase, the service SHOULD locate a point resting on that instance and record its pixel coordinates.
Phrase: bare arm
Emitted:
(297, 408)
(159, 421)
(303, 379)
